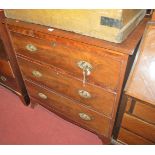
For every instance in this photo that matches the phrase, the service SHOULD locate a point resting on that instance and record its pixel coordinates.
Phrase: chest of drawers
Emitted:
(79, 78)
(7, 77)
(10, 76)
(138, 123)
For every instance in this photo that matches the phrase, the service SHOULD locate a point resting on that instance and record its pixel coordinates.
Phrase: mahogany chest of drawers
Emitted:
(138, 123)
(10, 76)
(79, 78)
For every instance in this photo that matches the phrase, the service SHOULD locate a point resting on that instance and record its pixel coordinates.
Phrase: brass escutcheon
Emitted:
(53, 44)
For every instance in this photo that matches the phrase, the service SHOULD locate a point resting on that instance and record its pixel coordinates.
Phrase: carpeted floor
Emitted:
(23, 125)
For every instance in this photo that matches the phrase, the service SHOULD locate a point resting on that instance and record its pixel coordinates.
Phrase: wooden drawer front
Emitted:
(6, 75)
(70, 109)
(144, 111)
(128, 137)
(99, 99)
(139, 127)
(106, 67)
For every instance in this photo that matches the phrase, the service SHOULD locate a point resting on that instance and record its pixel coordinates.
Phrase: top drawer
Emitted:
(104, 68)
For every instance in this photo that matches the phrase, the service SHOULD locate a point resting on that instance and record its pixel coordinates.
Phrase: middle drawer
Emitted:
(91, 95)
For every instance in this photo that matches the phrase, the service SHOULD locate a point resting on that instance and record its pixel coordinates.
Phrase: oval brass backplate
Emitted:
(84, 65)
(43, 96)
(85, 117)
(36, 73)
(31, 48)
(84, 94)
(3, 78)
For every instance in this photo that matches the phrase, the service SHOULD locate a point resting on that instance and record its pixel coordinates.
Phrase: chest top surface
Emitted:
(141, 83)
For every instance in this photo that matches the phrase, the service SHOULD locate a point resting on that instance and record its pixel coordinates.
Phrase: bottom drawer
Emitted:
(70, 109)
(6, 75)
(128, 137)
(139, 127)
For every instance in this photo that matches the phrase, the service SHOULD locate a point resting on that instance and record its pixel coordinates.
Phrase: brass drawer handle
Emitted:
(84, 94)
(31, 48)
(86, 66)
(3, 78)
(86, 69)
(85, 117)
(43, 96)
(36, 73)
